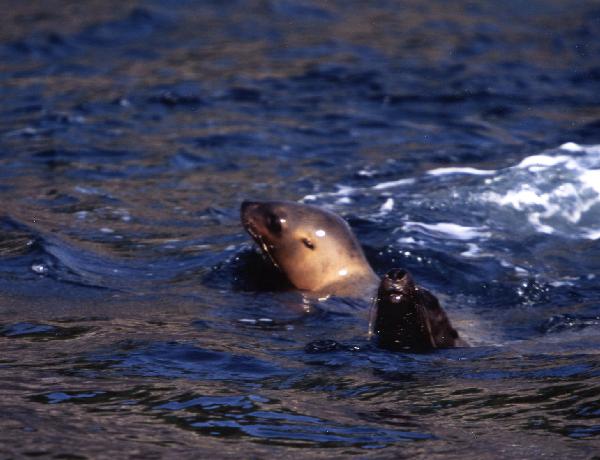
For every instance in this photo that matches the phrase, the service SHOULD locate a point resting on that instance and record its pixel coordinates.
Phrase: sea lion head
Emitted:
(400, 318)
(398, 295)
(313, 247)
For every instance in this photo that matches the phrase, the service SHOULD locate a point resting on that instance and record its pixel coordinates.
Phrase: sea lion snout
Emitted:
(262, 219)
(247, 209)
(397, 281)
(397, 275)
(247, 205)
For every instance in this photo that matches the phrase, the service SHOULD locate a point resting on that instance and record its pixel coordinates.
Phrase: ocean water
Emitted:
(460, 141)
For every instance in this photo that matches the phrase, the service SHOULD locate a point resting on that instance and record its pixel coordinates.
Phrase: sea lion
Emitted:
(318, 253)
(407, 317)
(314, 248)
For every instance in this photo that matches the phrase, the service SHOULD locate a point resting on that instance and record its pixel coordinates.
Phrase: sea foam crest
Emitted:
(557, 193)
(449, 230)
(554, 192)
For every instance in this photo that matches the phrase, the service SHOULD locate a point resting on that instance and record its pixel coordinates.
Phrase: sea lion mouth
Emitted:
(258, 238)
(252, 230)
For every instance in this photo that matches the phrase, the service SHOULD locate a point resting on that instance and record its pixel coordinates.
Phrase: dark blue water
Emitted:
(460, 140)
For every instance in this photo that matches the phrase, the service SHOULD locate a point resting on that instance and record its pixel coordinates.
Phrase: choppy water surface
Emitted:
(460, 140)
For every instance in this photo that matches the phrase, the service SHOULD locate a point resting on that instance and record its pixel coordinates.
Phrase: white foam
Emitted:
(345, 191)
(366, 173)
(472, 251)
(561, 283)
(556, 193)
(450, 230)
(393, 183)
(40, 269)
(591, 179)
(521, 271)
(88, 190)
(534, 219)
(407, 240)
(543, 160)
(571, 147)
(592, 234)
(387, 206)
(518, 199)
(463, 170)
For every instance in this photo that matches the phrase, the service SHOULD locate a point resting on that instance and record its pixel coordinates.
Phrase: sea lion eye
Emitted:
(309, 244)
(274, 223)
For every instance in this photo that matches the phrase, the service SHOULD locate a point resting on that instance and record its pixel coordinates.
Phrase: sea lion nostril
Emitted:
(397, 274)
(247, 204)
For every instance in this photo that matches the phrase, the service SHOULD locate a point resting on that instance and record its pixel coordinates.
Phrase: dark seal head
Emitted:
(314, 248)
(410, 318)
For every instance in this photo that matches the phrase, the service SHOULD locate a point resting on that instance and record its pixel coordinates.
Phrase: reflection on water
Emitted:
(460, 141)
